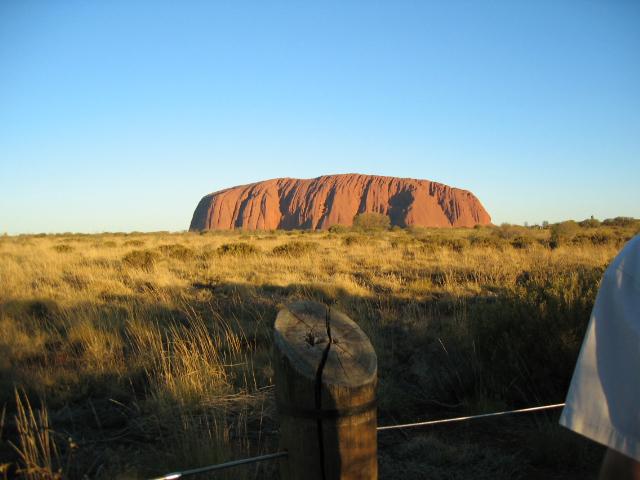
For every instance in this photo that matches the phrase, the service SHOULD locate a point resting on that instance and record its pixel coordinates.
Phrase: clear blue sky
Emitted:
(121, 115)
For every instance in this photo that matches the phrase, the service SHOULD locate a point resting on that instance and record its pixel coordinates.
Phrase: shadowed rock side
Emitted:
(318, 203)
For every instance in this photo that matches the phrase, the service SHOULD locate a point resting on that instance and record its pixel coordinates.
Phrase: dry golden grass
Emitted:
(37, 448)
(152, 350)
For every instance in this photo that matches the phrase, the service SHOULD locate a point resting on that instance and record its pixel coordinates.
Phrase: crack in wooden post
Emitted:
(318, 392)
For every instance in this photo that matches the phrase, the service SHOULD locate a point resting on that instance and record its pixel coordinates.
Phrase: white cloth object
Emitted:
(603, 402)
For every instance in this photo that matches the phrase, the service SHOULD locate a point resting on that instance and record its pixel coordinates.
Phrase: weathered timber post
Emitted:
(325, 375)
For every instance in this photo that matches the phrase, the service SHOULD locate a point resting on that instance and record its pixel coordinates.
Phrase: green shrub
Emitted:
(141, 259)
(239, 249)
(371, 221)
(295, 248)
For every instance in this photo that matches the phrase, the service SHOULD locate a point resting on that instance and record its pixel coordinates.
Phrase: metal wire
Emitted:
(271, 456)
(471, 417)
(221, 466)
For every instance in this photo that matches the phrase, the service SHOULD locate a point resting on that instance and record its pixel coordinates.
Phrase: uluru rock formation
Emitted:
(318, 203)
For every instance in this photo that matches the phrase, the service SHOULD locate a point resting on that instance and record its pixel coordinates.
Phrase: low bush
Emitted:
(563, 233)
(133, 243)
(63, 248)
(354, 240)
(589, 223)
(371, 221)
(599, 237)
(177, 251)
(295, 248)
(602, 238)
(487, 241)
(507, 231)
(338, 229)
(523, 241)
(237, 249)
(402, 242)
(620, 222)
(455, 244)
(141, 259)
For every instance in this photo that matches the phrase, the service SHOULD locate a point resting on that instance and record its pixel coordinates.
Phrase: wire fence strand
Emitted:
(221, 466)
(271, 456)
(470, 417)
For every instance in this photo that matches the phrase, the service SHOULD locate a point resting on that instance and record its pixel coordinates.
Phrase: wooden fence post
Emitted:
(325, 374)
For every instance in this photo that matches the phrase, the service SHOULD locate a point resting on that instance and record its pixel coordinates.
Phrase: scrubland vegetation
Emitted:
(132, 355)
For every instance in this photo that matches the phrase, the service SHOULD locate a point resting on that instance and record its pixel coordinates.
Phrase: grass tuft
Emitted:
(37, 450)
(295, 248)
(238, 249)
(141, 259)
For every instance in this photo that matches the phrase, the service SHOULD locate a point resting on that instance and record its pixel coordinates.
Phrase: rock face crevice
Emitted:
(319, 203)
